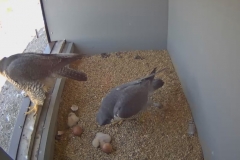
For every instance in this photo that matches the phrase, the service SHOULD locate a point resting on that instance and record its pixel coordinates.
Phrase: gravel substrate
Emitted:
(11, 98)
(157, 134)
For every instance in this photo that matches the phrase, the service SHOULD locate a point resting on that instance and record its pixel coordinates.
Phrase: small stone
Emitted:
(191, 128)
(138, 57)
(105, 55)
(74, 108)
(72, 119)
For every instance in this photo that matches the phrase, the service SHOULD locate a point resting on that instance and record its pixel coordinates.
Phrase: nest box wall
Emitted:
(204, 44)
(97, 26)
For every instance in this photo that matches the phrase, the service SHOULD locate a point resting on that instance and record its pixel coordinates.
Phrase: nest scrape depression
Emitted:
(156, 134)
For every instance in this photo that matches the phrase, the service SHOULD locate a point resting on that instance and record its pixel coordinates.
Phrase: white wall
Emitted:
(204, 43)
(97, 26)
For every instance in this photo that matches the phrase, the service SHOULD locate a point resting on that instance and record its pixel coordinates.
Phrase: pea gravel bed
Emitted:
(157, 134)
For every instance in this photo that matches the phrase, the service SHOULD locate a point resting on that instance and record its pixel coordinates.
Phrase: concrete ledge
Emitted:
(46, 150)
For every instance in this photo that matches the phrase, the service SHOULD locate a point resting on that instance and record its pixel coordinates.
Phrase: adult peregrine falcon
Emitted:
(127, 100)
(34, 72)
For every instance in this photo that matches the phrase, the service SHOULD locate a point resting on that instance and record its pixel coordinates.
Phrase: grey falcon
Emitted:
(127, 100)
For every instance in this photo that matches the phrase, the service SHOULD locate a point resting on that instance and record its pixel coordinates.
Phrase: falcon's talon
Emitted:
(46, 89)
(120, 122)
(34, 109)
(116, 121)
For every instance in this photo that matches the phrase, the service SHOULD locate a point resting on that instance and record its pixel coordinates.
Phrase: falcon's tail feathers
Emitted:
(67, 58)
(153, 73)
(73, 74)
